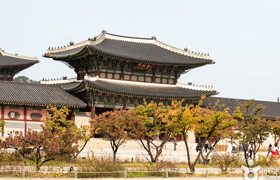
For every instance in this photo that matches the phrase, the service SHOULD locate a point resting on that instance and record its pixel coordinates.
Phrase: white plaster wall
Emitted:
(82, 118)
(11, 126)
(34, 126)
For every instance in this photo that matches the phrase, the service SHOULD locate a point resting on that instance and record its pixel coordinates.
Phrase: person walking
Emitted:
(175, 144)
(206, 146)
(198, 145)
(229, 148)
(269, 150)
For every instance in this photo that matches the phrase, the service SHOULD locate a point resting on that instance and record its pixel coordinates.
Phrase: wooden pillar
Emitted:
(2, 118)
(25, 123)
(92, 112)
(72, 115)
(11, 78)
(122, 76)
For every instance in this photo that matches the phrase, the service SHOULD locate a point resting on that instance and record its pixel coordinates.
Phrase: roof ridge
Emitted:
(154, 41)
(245, 99)
(190, 86)
(132, 37)
(17, 56)
(104, 35)
(90, 41)
(24, 83)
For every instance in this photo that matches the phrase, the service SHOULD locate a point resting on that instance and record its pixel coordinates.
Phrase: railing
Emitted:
(125, 173)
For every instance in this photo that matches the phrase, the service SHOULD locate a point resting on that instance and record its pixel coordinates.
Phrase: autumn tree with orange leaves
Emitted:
(202, 121)
(58, 138)
(117, 126)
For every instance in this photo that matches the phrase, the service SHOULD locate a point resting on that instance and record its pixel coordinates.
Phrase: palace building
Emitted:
(120, 72)
(22, 104)
(12, 64)
(112, 72)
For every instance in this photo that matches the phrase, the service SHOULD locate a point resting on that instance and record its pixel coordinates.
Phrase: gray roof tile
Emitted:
(272, 109)
(140, 89)
(140, 49)
(36, 94)
(14, 60)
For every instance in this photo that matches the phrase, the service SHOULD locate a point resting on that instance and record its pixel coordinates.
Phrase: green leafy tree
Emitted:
(215, 125)
(275, 131)
(24, 79)
(117, 126)
(253, 127)
(157, 130)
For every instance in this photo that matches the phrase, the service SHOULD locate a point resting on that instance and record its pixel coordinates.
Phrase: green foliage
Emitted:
(25, 79)
(253, 127)
(7, 158)
(276, 129)
(262, 161)
(152, 116)
(2, 124)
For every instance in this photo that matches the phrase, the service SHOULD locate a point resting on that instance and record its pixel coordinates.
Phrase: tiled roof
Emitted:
(147, 50)
(15, 60)
(36, 95)
(272, 109)
(142, 89)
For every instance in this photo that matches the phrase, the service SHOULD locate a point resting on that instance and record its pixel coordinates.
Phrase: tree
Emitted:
(203, 121)
(56, 120)
(25, 79)
(275, 131)
(117, 126)
(156, 128)
(253, 127)
(59, 138)
(2, 124)
(219, 122)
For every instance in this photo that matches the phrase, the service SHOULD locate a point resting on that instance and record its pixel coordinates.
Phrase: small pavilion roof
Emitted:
(145, 50)
(14, 93)
(137, 89)
(7, 60)
(272, 109)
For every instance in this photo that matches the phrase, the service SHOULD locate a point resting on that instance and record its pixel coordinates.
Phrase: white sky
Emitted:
(242, 36)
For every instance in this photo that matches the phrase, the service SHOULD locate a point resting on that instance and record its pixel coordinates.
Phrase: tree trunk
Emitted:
(114, 156)
(85, 143)
(37, 164)
(192, 169)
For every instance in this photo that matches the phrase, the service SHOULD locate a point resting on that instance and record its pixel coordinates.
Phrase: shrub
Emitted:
(262, 160)
(226, 161)
(95, 165)
(10, 157)
(159, 168)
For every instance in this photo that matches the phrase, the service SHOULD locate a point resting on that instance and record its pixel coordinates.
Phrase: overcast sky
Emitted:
(242, 36)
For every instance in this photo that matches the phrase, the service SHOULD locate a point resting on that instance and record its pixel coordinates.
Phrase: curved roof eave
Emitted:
(95, 44)
(86, 50)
